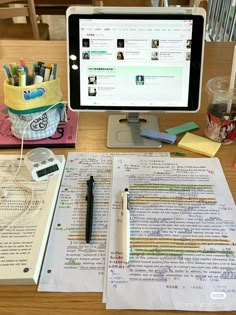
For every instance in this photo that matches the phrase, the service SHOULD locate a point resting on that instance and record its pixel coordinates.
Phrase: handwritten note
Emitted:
(71, 264)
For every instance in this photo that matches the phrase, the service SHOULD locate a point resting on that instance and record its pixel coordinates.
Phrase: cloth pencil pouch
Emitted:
(32, 97)
(25, 105)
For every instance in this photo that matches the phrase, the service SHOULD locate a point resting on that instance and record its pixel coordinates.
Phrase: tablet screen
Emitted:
(140, 62)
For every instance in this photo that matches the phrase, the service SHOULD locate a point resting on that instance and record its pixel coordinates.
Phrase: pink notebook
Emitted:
(65, 135)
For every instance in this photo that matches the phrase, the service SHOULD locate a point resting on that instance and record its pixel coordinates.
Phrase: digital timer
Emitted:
(42, 163)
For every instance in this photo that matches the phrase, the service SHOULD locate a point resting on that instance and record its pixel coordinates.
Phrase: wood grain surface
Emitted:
(25, 300)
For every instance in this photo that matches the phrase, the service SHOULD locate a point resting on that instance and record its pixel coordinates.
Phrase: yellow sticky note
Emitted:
(199, 144)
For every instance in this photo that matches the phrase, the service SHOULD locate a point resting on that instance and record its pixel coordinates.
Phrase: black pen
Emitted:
(89, 215)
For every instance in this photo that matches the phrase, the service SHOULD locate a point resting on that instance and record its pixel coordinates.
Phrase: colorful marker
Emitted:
(7, 71)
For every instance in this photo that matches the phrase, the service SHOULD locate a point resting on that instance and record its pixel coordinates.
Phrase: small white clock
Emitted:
(42, 163)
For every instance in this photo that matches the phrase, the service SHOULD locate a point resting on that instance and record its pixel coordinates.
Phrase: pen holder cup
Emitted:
(34, 110)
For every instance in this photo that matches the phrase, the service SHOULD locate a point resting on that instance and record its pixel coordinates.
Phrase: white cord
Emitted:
(24, 130)
(16, 181)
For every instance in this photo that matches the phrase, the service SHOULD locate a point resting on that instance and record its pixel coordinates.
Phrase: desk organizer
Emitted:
(25, 104)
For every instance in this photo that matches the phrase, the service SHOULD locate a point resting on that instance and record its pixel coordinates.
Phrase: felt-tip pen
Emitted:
(22, 78)
(7, 71)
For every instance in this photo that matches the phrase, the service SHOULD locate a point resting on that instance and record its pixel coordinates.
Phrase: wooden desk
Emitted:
(25, 300)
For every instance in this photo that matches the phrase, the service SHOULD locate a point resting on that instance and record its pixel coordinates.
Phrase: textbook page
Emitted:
(72, 265)
(26, 211)
(183, 236)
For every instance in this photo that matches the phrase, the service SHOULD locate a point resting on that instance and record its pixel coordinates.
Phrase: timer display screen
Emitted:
(47, 170)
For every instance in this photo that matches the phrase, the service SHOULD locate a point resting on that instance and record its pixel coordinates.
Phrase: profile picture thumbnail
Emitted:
(139, 79)
(120, 55)
(120, 43)
(85, 42)
(155, 43)
(188, 55)
(92, 91)
(155, 55)
(92, 79)
(86, 55)
(188, 43)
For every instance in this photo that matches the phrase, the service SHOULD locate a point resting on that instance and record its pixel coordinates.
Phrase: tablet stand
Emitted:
(123, 131)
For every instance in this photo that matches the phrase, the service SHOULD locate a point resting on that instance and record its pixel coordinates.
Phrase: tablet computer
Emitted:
(135, 59)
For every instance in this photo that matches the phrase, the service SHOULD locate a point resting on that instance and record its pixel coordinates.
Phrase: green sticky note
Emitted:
(178, 130)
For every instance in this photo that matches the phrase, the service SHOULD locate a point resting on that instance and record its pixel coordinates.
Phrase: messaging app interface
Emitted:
(135, 62)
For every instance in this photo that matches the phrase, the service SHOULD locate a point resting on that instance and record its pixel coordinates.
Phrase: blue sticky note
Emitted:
(159, 136)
